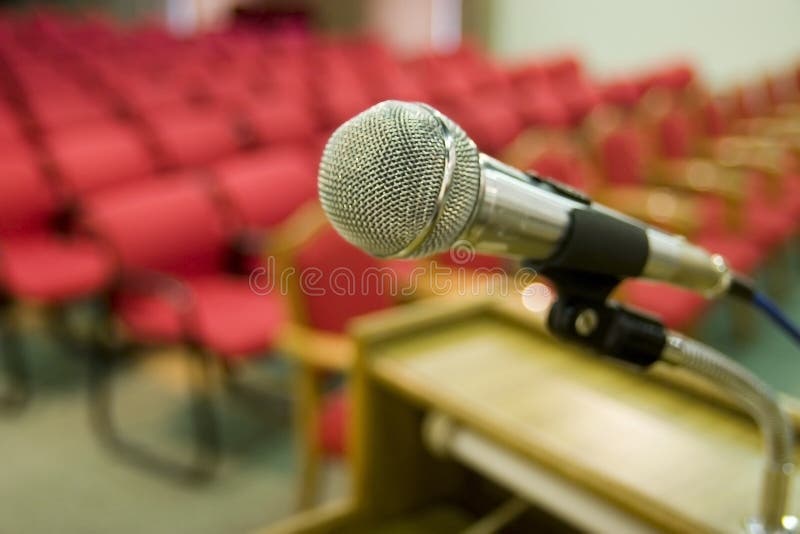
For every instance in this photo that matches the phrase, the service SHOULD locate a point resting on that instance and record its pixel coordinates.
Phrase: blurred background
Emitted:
(158, 164)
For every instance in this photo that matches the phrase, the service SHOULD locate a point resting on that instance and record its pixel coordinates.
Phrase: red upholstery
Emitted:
(187, 237)
(622, 156)
(333, 424)
(342, 99)
(9, 125)
(576, 92)
(623, 93)
(678, 308)
(147, 96)
(53, 269)
(440, 78)
(188, 241)
(491, 123)
(742, 256)
(281, 121)
(190, 137)
(220, 312)
(397, 83)
(93, 158)
(27, 202)
(562, 167)
(60, 107)
(539, 105)
(768, 225)
(265, 187)
(712, 119)
(675, 135)
(335, 284)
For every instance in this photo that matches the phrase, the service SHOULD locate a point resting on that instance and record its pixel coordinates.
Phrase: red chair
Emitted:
(536, 100)
(487, 119)
(677, 308)
(92, 158)
(10, 126)
(264, 188)
(332, 282)
(323, 307)
(190, 137)
(55, 108)
(623, 160)
(177, 287)
(38, 264)
(577, 93)
(274, 121)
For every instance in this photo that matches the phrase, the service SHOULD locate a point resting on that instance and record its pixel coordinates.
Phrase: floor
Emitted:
(54, 477)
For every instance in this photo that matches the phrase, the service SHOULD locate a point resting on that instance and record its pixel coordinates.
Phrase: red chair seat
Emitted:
(333, 424)
(678, 308)
(51, 268)
(221, 313)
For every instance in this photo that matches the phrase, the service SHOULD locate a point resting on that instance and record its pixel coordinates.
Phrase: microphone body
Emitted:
(401, 180)
(526, 217)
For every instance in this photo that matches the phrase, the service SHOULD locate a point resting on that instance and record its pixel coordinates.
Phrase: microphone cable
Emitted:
(743, 288)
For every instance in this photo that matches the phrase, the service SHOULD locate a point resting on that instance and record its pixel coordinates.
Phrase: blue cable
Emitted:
(766, 305)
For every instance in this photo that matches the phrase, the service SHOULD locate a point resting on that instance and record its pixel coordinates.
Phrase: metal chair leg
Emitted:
(207, 446)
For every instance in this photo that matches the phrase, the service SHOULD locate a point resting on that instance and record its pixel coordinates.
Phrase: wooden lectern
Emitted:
(589, 444)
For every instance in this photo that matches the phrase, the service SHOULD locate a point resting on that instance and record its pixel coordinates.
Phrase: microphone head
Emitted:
(400, 180)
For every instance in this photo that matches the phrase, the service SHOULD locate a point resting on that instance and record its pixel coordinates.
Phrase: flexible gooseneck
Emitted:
(762, 405)
(627, 335)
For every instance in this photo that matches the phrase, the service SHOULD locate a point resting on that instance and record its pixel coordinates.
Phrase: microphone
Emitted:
(401, 180)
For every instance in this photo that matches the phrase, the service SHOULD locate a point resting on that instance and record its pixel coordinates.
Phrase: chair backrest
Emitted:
(267, 186)
(170, 226)
(89, 159)
(337, 282)
(329, 281)
(562, 166)
(622, 156)
(27, 202)
(676, 135)
(190, 137)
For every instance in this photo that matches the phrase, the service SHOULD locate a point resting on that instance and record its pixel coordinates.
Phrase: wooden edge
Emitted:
(325, 350)
(328, 517)
(396, 322)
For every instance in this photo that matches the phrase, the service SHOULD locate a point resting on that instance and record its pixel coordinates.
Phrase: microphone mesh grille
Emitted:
(380, 176)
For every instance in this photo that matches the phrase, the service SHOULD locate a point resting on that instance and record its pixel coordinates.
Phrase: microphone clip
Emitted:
(583, 314)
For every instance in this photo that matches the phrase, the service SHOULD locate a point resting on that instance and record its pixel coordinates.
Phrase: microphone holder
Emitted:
(583, 314)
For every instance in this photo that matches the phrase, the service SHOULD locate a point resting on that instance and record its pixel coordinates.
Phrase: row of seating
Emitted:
(153, 174)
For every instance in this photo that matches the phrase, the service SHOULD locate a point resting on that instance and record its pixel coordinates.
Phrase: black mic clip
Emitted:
(583, 314)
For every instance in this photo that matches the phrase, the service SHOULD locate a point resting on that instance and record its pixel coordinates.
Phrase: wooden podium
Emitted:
(588, 443)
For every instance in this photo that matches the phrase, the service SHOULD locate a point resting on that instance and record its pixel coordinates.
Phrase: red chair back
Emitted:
(165, 226)
(622, 156)
(339, 282)
(89, 159)
(27, 203)
(265, 187)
